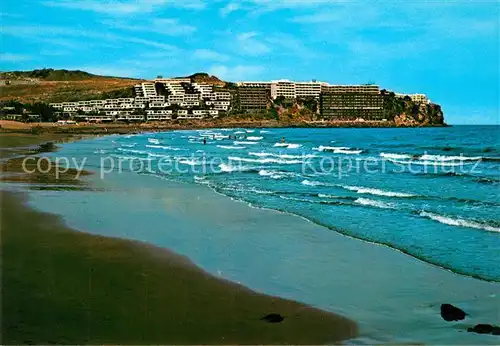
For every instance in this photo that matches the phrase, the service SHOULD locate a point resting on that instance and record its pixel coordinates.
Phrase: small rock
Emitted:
(484, 329)
(273, 318)
(451, 313)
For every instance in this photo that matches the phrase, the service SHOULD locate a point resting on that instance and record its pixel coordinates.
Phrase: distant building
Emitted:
(251, 99)
(350, 102)
(418, 98)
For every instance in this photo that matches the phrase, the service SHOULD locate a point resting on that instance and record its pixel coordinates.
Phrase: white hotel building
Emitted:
(288, 89)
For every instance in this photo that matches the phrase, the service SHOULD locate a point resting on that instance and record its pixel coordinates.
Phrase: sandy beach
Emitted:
(66, 287)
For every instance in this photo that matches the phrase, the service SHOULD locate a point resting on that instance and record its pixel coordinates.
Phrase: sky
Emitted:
(448, 50)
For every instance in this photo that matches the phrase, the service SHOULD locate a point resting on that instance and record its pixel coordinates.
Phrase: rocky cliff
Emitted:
(405, 112)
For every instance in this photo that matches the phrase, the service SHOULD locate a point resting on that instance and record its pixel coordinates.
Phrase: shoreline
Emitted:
(117, 128)
(56, 276)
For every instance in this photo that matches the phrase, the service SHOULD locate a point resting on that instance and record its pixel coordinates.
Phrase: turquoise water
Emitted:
(430, 192)
(446, 215)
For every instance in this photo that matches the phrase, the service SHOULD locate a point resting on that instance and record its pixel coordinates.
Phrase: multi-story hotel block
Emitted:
(153, 101)
(252, 98)
(351, 102)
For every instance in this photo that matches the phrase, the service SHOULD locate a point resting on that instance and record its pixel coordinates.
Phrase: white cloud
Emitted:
(250, 45)
(236, 73)
(164, 26)
(208, 54)
(125, 7)
(12, 57)
(279, 4)
(229, 8)
(41, 33)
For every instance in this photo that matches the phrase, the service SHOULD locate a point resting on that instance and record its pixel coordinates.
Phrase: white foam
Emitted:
(395, 156)
(328, 148)
(264, 131)
(322, 195)
(448, 158)
(166, 147)
(372, 203)
(265, 160)
(227, 168)
(244, 143)
(288, 145)
(250, 131)
(239, 132)
(153, 141)
(339, 150)
(376, 192)
(430, 163)
(189, 162)
(459, 222)
(296, 199)
(230, 147)
(133, 151)
(312, 183)
(282, 156)
(275, 174)
(254, 138)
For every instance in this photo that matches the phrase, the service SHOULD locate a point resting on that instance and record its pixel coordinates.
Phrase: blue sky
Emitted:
(447, 50)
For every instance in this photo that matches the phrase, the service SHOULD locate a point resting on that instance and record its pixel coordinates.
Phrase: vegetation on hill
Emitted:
(53, 91)
(404, 111)
(202, 77)
(49, 74)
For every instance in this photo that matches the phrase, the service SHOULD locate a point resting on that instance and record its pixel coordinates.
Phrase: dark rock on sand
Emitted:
(273, 318)
(485, 329)
(452, 313)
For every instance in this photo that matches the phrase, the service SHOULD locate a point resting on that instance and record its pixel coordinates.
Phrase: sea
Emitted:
(381, 225)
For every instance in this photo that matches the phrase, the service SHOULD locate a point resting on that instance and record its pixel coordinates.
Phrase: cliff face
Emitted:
(405, 112)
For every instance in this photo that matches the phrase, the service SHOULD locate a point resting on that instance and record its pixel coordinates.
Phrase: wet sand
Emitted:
(66, 287)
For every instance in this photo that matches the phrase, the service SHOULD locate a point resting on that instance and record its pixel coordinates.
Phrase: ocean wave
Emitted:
(282, 156)
(485, 180)
(153, 141)
(273, 174)
(287, 145)
(244, 143)
(432, 159)
(490, 159)
(304, 200)
(376, 192)
(250, 131)
(201, 180)
(338, 150)
(230, 147)
(166, 147)
(129, 145)
(228, 168)
(431, 163)
(264, 131)
(189, 162)
(133, 151)
(395, 156)
(372, 203)
(265, 160)
(459, 222)
(255, 138)
(428, 157)
(313, 183)
(239, 132)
